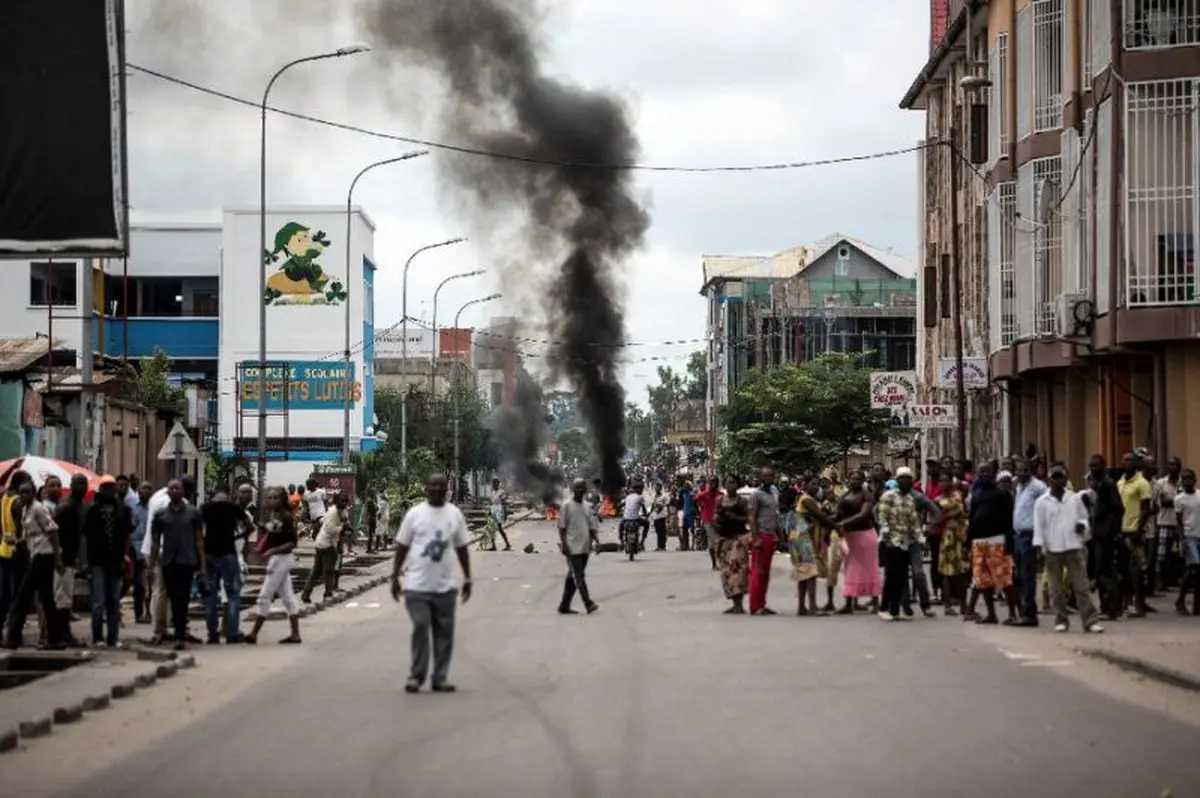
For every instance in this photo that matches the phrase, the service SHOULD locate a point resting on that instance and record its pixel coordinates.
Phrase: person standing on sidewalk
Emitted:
(140, 518)
(1187, 505)
(430, 530)
(224, 525)
(325, 557)
(14, 555)
(766, 529)
(69, 515)
(1137, 497)
(1161, 570)
(707, 500)
(900, 521)
(40, 536)
(1029, 490)
(107, 526)
(578, 534)
(312, 512)
(1060, 532)
(177, 546)
(277, 545)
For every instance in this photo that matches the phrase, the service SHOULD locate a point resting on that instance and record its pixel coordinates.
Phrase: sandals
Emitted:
(290, 640)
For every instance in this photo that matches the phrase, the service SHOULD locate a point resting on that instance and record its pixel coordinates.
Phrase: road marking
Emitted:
(374, 605)
(351, 605)
(1017, 656)
(1049, 663)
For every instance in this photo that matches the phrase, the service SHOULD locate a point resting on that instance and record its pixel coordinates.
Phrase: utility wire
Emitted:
(507, 156)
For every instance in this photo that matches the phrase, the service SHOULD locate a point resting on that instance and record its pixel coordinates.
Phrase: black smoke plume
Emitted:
(520, 432)
(580, 219)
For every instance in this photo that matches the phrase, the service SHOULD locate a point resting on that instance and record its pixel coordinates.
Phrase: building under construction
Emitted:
(839, 294)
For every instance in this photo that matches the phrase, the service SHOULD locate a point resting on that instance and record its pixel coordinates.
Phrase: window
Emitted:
(497, 394)
(161, 296)
(52, 283)
(1002, 239)
(1047, 244)
(998, 100)
(1151, 24)
(1047, 65)
(1024, 73)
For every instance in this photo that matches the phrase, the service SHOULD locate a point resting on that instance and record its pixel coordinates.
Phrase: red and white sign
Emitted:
(893, 388)
(924, 416)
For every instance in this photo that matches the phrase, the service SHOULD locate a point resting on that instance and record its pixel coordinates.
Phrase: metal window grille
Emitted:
(1047, 242)
(1002, 208)
(1047, 65)
(1024, 72)
(1156, 24)
(1104, 206)
(1099, 35)
(1162, 179)
(997, 99)
(1023, 252)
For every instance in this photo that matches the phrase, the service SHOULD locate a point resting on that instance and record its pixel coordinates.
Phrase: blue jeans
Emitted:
(1027, 573)
(106, 602)
(223, 570)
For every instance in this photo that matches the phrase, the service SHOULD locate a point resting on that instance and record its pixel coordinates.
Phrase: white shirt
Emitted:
(158, 501)
(633, 506)
(431, 535)
(1165, 489)
(331, 530)
(1188, 507)
(1057, 524)
(315, 499)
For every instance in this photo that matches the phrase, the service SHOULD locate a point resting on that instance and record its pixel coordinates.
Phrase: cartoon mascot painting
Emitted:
(300, 280)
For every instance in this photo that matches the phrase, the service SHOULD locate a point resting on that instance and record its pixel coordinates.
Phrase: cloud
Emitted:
(732, 83)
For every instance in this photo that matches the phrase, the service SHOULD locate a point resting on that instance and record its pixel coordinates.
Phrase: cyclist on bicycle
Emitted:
(635, 512)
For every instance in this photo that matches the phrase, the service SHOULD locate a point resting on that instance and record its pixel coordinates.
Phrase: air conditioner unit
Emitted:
(1072, 313)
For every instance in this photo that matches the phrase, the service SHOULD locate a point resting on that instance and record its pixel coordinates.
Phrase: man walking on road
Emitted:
(1060, 530)
(578, 533)
(177, 546)
(325, 558)
(107, 526)
(430, 530)
(766, 528)
(224, 525)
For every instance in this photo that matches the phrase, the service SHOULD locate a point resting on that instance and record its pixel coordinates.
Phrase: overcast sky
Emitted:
(719, 82)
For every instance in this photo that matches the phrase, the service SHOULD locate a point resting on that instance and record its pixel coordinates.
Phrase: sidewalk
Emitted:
(1163, 646)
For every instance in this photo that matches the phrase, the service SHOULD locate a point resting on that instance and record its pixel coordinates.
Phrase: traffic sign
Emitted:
(178, 444)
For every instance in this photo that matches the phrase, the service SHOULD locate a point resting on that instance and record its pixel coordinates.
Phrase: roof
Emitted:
(18, 354)
(304, 210)
(69, 379)
(791, 262)
(948, 45)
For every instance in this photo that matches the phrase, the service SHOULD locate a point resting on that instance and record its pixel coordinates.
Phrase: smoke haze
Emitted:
(575, 225)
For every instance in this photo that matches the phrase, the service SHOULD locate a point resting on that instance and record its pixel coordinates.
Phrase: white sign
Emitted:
(390, 344)
(894, 391)
(923, 416)
(975, 373)
(178, 443)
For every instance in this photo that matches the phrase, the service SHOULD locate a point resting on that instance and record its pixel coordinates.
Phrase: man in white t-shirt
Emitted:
(1187, 505)
(314, 506)
(159, 606)
(429, 530)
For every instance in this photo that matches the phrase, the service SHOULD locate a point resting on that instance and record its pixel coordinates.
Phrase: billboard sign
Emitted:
(455, 343)
(389, 343)
(935, 416)
(894, 391)
(298, 385)
(335, 478)
(62, 157)
(975, 373)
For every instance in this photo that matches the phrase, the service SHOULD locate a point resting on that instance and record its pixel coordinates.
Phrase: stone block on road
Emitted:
(68, 714)
(38, 727)
(142, 681)
(9, 740)
(166, 670)
(123, 690)
(98, 701)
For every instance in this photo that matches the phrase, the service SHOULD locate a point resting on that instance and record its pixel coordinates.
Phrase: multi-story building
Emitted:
(1078, 210)
(837, 294)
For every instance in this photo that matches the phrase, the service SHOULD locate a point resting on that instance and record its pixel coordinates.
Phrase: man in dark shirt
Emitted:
(225, 525)
(177, 542)
(107, 525)
(1105, 511)
(990, 537)
(69, 516)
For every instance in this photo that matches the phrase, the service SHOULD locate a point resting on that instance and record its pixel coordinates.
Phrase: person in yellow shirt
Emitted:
(1137, 495)
(13, 561)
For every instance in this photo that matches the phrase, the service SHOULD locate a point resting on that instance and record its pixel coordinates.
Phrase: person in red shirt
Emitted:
(932, 489)
(706, 500)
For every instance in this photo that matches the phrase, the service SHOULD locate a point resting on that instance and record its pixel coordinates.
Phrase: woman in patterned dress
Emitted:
(733, 546)
(810, 526)
(953, 565)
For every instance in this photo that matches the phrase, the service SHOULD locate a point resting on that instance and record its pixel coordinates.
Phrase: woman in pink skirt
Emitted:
(860, 578)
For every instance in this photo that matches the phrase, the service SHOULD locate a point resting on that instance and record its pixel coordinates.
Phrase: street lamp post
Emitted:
(433, 351)
(262, 266)
(346, 364)
(457, 388)
(404, 346)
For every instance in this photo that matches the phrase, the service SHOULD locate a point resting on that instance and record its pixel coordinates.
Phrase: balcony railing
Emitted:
(1155, 24)
(1162, 201)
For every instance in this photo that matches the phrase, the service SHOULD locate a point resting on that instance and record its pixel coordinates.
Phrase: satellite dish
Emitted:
(1047, 199)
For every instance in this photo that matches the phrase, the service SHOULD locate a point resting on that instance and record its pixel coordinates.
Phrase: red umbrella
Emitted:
(39, 468)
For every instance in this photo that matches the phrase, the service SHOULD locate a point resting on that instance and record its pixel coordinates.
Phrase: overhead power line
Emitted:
(507, 156)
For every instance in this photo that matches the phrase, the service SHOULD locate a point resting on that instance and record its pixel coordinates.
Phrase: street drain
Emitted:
(21, 669)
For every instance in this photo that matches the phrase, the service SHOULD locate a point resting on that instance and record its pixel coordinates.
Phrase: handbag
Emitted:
(260, 545)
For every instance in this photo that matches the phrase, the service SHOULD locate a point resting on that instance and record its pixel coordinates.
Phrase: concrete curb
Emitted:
(160, 665)
(1150, 670)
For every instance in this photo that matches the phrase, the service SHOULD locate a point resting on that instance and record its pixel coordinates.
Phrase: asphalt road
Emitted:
(660, 695)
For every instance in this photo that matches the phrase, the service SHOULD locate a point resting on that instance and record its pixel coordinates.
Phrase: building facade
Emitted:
(839, 294)
(1085, 148)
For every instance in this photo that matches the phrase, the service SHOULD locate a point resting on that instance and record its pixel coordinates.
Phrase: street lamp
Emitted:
(433, 352)
(404, 346)
(349, 214)
(351, 49)
(457, 391)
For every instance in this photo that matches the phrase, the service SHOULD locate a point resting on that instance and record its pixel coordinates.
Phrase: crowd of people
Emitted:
(167, 549)
(1015, 533)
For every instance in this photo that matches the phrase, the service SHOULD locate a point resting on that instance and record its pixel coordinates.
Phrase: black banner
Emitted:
(62, 139)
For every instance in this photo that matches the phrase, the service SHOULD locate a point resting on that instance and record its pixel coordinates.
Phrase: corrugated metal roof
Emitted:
(790, 262)
(18, 354)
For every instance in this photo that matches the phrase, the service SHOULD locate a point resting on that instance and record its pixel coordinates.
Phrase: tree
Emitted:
(151, 384)
(639, 437)
(800, 415)
(573, 445)
(696, 386)
(664, 398)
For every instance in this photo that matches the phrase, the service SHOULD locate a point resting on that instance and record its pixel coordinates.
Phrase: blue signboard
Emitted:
(298, 385)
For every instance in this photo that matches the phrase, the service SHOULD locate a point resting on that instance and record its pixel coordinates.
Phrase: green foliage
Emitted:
(221, 470)
(696, 386)
(800, 415)
(151, 387)
(639, 438)
(573, 444)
